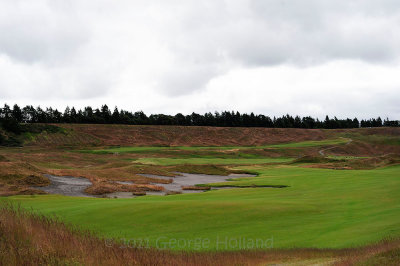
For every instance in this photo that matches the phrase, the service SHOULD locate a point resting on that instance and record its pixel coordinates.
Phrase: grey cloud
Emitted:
(315, 31)
(78, 49)
(355, 102)
(272, 32)
(181, 81)
(39, 33)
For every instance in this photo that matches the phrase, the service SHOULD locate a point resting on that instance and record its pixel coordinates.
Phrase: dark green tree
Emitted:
(17, 113)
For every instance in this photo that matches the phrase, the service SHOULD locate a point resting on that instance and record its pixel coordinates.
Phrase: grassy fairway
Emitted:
(320, 208)
(222, 161)
(312, 143)
(147, 149)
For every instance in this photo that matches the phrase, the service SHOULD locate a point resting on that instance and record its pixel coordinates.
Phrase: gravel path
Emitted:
(322, 152)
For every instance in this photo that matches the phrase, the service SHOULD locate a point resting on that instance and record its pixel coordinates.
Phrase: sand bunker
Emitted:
(75, 186)
(188, 180)
(67, 185)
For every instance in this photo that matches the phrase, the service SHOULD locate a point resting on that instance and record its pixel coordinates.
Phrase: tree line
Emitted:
(10, 117)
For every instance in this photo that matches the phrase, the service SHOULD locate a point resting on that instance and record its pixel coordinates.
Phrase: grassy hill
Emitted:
(131, 135)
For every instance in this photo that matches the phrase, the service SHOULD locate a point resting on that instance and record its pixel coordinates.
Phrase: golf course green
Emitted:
(321, 208)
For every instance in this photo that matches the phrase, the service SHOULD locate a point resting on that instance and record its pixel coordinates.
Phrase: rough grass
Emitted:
(27, 133)
(201, 169)
(315, 159)
(344, 163)
(391, 257)
(3, 158)
(103, 188)
(126, 135)
(18, 177)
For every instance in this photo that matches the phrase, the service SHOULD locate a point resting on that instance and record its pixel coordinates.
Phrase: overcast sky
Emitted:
(306, 57)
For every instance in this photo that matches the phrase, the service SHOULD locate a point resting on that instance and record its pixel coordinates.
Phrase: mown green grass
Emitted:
(51, 165)
(218, 161)
(147, 149)
(321, 208)
(314, 143)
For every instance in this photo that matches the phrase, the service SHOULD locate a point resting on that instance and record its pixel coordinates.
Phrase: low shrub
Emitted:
(35, 180)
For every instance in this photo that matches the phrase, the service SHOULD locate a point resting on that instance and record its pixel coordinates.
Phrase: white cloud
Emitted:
(310, 57)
